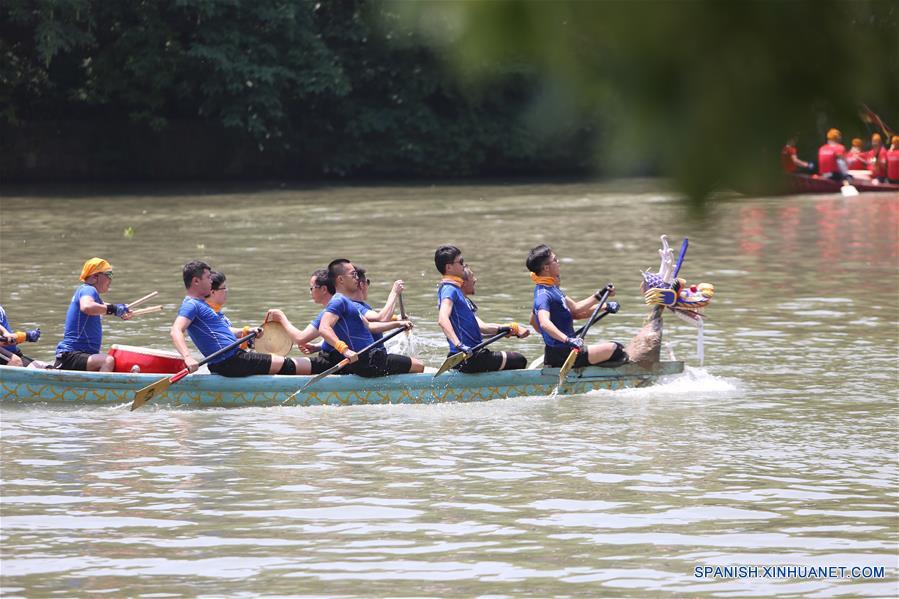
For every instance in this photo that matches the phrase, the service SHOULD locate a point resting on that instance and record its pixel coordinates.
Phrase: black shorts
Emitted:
(243, 363)
(492, 361)
(554, 357)
(380, 363)
(72, 360)
(323, 361)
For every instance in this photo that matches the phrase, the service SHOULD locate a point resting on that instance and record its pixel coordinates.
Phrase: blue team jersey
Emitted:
(326, 347)
(5, 324)
(462, 318)
(351, 327)
(82, 333)
(364, 309)
(209, 331)
(552, 300)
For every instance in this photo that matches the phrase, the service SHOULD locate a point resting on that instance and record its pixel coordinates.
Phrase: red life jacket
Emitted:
(827, 157)
(786, 159)
(893, 165)
(878, 168)
(854, 161)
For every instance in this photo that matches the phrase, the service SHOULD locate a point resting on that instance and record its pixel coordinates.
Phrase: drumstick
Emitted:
(149, 310)
(142, 300)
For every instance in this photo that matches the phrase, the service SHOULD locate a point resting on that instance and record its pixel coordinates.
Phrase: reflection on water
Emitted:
(781, 450)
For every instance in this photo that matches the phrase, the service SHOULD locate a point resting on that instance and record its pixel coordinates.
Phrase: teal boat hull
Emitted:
(28, 385)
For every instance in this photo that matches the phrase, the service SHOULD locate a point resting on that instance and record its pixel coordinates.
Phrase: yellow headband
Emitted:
(94, 266)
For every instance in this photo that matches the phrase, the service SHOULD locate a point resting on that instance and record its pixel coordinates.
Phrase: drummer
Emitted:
(80, 345)
(210, 333)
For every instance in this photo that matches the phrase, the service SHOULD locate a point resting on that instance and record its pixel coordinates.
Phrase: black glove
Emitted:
(612, 307)
(33, 335)
(117, 309)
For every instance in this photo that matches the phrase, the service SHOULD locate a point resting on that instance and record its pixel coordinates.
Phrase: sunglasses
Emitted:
(107, 273)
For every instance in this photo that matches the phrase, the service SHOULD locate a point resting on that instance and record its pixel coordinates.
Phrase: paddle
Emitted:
(604, 313)
(154, 389)
(459, 357)
(569, 361)
(149, 310)
(343, 363)
(138, 302)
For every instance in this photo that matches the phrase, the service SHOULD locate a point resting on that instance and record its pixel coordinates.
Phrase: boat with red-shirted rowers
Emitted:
(799, 183)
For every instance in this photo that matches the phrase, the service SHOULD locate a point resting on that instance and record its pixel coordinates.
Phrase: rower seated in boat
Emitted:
(83, 336)
(360, 297)
(321, 294)
(832, 158)
(554, 314)
(893, 160)
(10, 354)
(346, 332)
(876, 159)
(210, 332)
(790, 160)
(461, 326)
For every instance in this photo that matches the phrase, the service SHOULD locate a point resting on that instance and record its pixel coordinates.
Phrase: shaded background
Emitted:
(703, 92)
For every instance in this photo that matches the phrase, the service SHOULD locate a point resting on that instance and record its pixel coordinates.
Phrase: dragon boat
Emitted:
(662, 291)
(800, 184)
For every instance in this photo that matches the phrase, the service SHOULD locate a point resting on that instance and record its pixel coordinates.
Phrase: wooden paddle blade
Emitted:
(450, 362)
(149, 392)
(566, 367)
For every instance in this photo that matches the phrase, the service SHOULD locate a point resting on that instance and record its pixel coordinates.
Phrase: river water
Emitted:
(781, 449)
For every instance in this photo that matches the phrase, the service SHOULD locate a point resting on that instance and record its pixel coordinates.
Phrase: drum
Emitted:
(275, 340)
(142, 359)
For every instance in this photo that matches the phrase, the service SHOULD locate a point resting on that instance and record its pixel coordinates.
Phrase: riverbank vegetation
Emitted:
(198, 89)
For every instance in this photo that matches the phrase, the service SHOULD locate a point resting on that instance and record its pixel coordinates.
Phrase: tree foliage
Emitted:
(703, 90)
(331, 88)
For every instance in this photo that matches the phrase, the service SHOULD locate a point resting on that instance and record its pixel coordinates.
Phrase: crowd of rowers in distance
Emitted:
(346, 325)
(877, 164)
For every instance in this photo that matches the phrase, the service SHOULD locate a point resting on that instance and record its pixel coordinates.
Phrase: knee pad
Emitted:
(288, 367)
(515, 361)
(619, 355)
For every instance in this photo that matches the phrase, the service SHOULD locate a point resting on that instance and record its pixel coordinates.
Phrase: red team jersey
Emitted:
(827, 157)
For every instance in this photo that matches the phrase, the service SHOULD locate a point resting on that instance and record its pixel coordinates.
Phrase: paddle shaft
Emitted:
(346, 361)
(138, 302)
(149, 310)
(593, 317)
(184, 372)
(144, 395)
(572, 356)
(602, 315)
(454, 359)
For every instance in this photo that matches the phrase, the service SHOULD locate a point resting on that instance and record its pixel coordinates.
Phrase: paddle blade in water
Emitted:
(450, 362)
(566, 367)
(149, 392)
